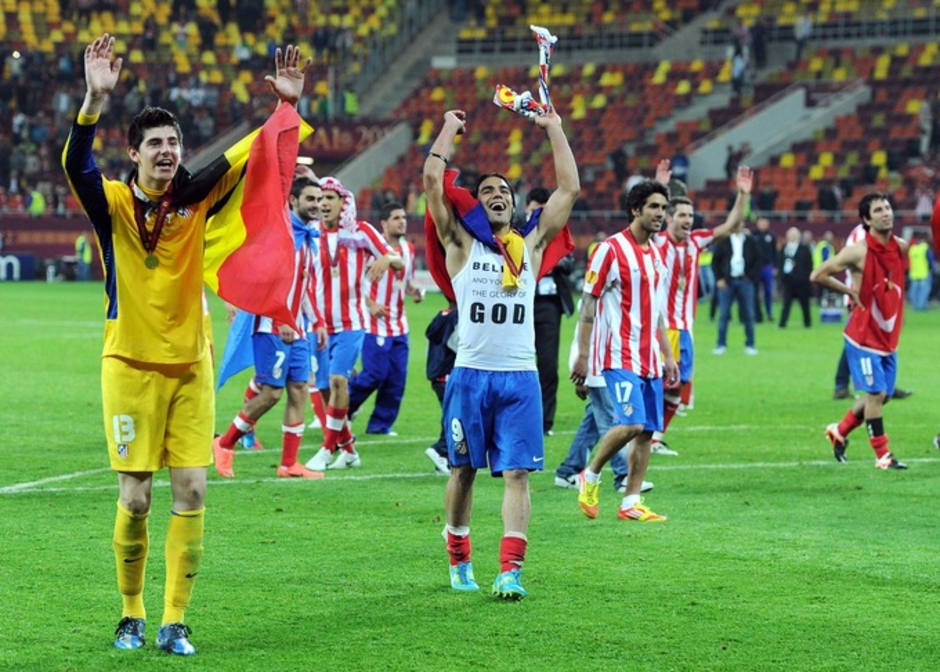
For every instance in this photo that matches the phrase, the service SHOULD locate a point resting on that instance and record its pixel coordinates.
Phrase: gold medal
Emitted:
(149, 239)
(681, 283)
(335, 272)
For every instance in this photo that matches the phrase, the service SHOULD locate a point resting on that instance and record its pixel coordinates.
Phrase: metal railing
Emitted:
(411, 17)
(619, 35)
(897, 22)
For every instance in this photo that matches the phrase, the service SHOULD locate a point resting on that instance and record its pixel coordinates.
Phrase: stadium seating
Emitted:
(604, 106)
(848, 19)
(869, 147)
(165, 57)
(582, 24)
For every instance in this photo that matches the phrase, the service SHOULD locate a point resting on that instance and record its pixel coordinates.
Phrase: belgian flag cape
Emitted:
(249, 234)
(472, 217)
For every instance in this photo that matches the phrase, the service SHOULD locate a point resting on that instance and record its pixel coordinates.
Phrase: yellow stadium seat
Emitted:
(705, 87)
(913, 106)
(611, 79)
(425, 132)
(787, 160)
(514, 172)
(438, 94)
(826, 159)
(598, 101)
(879, 158)
(588, 70)
(136, 56)
(578, 108)
(683, 87)
(816, 173)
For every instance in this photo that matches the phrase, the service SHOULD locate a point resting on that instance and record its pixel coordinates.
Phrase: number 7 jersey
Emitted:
(495, 327)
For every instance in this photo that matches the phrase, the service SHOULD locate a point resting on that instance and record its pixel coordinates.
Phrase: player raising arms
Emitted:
(680, 247)
(156, 371)
(492, 404)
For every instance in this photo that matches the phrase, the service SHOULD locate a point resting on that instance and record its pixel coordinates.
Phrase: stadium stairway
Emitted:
(404, 74)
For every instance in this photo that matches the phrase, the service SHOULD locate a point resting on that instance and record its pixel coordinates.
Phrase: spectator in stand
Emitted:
(759, 43)
(802, 31)
(738, 70)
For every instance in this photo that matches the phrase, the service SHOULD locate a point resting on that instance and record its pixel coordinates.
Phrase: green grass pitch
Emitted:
(775, 557)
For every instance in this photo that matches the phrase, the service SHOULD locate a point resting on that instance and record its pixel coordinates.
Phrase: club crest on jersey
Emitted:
(122, 450)
(591, 277)
(627, 410)
(461, 448)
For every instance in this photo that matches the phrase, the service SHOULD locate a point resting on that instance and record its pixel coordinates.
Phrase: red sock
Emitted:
(670, 406)
(240, 426)
(252, 391)
(511, 553)
(880, 445)
(849, 422)
(335, 419)
(290, 445)
(345, 438)
(458, 547)
(686, 394)
(316, 401)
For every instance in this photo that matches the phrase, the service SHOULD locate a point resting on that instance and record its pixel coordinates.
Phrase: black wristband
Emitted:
(438, 156)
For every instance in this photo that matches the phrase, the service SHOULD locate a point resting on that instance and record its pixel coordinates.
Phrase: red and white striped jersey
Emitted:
(628, 282)
(681, 262)
(339, 271)
(389, 291)
(300, 288)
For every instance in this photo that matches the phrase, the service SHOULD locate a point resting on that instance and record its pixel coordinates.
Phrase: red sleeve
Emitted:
(560, 247)
(435, 257)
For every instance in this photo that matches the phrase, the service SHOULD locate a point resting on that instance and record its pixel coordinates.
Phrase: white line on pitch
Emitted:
(33, 485)
(333, 477)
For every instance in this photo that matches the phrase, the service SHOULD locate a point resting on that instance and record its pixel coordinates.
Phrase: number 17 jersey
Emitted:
(495, 326)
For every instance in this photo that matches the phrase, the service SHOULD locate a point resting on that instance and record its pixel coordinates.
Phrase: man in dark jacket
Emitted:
(767, 249)
(737, 264)
(796, 263)
(553, 299)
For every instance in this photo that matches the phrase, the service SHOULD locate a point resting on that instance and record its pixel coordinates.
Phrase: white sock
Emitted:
(591, 477)
(658, 436)
(461, 531)
(630, 501)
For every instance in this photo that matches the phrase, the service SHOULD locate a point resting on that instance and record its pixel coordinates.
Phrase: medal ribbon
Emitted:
(149, 239)
(511, 249)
